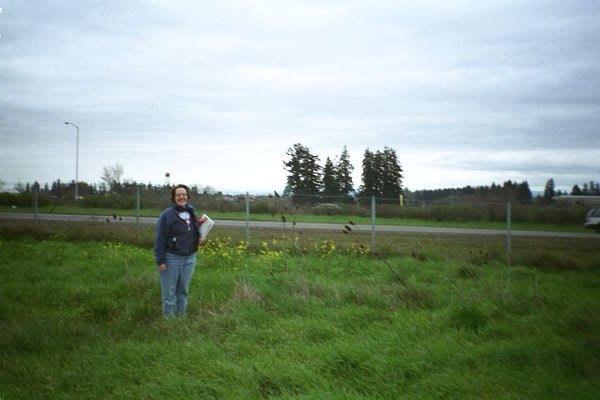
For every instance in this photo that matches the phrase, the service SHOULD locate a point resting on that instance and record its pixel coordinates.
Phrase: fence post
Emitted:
(247, 226)
(137, 218)
(508, 233)
(373, 215)
(34, 200)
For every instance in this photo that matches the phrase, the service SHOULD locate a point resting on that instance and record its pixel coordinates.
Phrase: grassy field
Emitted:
(293, 318)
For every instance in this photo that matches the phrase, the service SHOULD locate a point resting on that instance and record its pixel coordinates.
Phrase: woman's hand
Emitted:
(162, 267)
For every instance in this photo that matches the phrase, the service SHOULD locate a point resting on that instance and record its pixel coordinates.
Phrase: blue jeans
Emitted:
(174, 283)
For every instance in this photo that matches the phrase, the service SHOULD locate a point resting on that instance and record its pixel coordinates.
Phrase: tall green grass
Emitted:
(541, 252)
(82, 320)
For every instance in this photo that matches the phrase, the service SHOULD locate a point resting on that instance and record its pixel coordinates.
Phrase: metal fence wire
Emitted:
(376, 221)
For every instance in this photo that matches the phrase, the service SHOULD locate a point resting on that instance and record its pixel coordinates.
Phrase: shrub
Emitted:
(22, 199)
(264, 207)
(109, 200)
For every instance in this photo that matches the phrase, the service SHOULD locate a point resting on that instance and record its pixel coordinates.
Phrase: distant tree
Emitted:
(304, 172)
(112, 175)
(207, 190)
(549, 192)
(585, 190)
(514, 191)
(508, 191)
(128, 187)
(576, 191)
(523, 192)
(331, 185)
(344, 174)
(370, 175)
(382, 174)
(391, 174)
(84, 188)
(59, 189)
(591, 188)
(287, 191)
(20, 187)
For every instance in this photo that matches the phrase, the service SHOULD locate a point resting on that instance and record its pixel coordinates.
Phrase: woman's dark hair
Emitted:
(187, 191)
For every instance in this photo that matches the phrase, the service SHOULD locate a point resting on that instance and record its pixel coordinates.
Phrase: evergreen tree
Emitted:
(382, 175)
(508, 187)
(304, 173)
(287, 191)
(369, 186)
(344, 175)
(523, 192)
(592, 188)
(549, 192)
(331, 185)
(59, 189)
(585, 189)
(391, 174)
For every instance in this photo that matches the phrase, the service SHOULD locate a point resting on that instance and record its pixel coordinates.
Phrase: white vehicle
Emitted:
(592, 219)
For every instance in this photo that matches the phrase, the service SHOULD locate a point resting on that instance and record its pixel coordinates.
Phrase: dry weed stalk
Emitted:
(401, 278)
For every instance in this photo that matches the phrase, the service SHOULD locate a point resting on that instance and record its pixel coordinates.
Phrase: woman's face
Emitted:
(180, 197)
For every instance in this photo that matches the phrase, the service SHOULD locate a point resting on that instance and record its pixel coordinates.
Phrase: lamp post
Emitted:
(76, 162)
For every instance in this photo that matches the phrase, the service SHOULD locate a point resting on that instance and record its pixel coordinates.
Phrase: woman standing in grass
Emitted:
(175, 247)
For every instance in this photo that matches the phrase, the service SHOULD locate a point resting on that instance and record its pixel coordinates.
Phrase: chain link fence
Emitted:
(490, 229)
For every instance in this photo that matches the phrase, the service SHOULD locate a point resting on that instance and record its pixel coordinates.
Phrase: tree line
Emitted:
(508, 191)
(382, 178)
(308, 181)
(590, 188)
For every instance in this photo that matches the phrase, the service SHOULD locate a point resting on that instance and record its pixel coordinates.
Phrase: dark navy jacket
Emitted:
(173, 234)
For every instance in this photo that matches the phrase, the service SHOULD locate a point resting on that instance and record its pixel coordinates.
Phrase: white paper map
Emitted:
(206, 225)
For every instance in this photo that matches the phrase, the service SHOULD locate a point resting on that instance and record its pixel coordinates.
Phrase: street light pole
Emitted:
(76, 162)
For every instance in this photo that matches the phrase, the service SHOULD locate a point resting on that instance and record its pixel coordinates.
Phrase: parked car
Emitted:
(592, 219)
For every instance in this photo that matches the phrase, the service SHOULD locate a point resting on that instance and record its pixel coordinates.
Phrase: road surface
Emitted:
(302, 226)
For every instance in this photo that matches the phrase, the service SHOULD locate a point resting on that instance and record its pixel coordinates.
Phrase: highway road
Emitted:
(302, 226)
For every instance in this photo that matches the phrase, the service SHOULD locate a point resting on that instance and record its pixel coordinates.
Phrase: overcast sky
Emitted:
(215, 92)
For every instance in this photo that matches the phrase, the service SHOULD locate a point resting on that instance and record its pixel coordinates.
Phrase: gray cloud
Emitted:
(494, 90)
